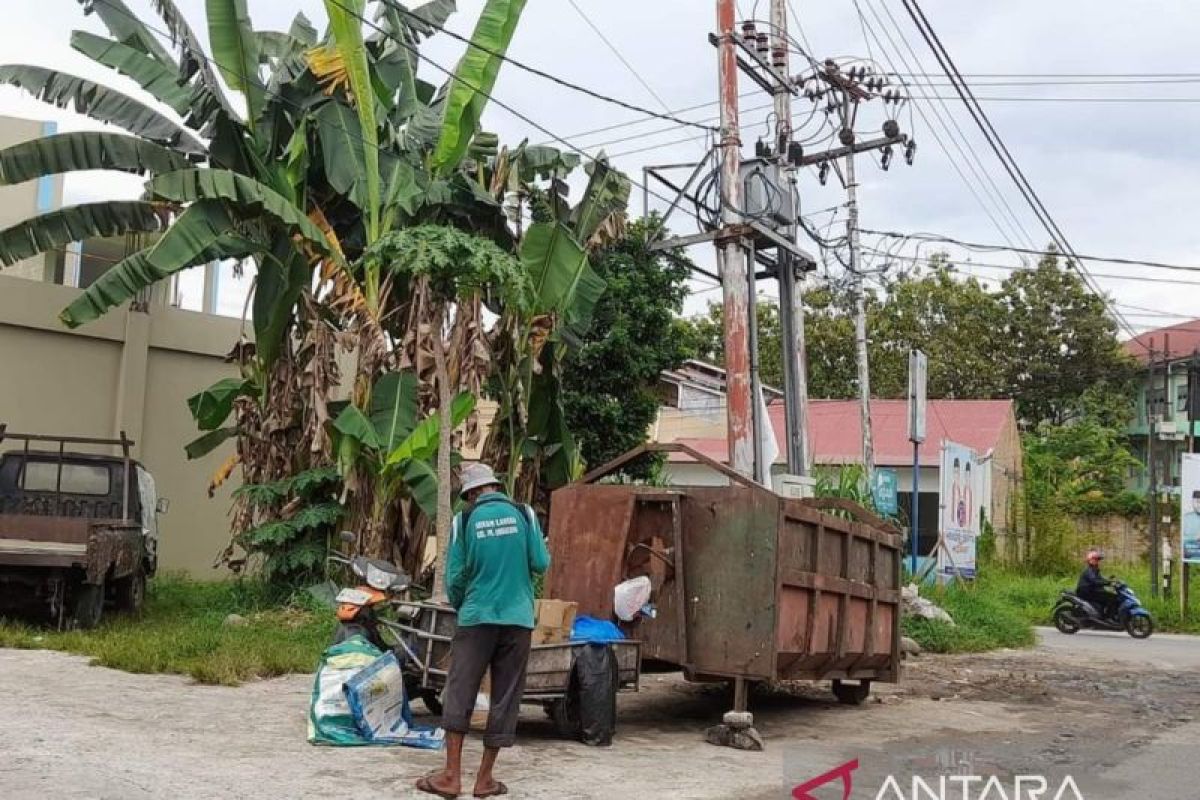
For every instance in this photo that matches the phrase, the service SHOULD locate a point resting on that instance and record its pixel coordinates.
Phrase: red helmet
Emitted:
(1095, 556)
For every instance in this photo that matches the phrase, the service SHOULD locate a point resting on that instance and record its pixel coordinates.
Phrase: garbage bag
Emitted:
(630, 596)
(590, 629)
(330, 719)
(377, 700)
(333, 718)
(594, 680)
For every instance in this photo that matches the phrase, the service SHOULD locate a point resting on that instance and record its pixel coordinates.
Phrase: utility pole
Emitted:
(845, 90)
(860, 315)
(1152, 433)
(791, 290)
(731, 255)
(1193, 398)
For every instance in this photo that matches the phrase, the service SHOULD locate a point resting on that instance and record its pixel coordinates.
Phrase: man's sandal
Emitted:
(424, 784)
(498, 790)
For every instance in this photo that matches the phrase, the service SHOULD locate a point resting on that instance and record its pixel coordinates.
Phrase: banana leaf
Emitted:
(206, 443)
(353, 424)
(345, 23)
(235, 50)
(100, 103)
(607, 195)
(563, 279)
(422, 443)
(193, 60)
(394, 408)
(159, 79)
(189, 185)
(473, 81)
(60, 228)
(206, 231)
(86, 150)
(212, 406)
(127, 29)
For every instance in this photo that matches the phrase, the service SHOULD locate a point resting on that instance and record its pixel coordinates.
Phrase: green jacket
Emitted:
(490, 568)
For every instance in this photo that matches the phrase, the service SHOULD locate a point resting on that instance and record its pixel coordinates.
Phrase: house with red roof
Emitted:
(989, 427)
(1165, 398)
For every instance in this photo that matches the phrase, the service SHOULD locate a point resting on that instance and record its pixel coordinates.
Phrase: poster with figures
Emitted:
(959, 524)
(1189, 493)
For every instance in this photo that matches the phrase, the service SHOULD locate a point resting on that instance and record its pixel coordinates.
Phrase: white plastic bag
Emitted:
(629, 597)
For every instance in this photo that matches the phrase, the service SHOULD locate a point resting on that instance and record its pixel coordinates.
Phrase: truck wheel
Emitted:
(131, 592)
(564, 711)
(851, 694)
(89, 605)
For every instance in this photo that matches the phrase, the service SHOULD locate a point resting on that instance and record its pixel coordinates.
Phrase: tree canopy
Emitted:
(1041, 338)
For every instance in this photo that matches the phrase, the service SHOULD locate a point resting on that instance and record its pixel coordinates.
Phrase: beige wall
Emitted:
(130, 370)
(21, 201)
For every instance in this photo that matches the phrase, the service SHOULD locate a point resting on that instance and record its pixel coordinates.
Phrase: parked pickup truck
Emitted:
(78, 530)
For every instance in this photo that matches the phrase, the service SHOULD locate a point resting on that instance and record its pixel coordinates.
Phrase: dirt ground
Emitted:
(1121, 727)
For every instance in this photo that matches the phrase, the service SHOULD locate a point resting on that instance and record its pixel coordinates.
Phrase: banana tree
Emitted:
(340, 143)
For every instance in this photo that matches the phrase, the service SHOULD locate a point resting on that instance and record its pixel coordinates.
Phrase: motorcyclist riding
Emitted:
(1094, 587)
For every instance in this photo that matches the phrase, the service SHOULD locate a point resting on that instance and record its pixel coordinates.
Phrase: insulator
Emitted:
(779, 57)
(761, 149)
(749, 31)
(763, 44)
(795, 153)
(823, 172)
(910, 151)
(885, 160)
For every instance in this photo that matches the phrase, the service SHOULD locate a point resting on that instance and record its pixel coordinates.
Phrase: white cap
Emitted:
(476, 475)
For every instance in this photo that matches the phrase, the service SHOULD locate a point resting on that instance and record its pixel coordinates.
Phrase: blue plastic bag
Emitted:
(590, 629)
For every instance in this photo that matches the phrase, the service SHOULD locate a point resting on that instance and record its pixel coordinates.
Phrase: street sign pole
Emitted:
(918, 365)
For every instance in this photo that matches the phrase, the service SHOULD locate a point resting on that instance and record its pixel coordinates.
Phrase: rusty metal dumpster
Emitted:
(748, 585)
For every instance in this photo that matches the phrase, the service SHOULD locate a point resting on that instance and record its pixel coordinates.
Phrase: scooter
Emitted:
(361, 610)
(1072, 613)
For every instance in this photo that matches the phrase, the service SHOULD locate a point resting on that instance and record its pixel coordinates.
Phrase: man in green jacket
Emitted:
(496, 548)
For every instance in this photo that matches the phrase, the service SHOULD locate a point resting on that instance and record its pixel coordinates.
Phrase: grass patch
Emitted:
(1002, 606)
(181, 631)
(984, 621)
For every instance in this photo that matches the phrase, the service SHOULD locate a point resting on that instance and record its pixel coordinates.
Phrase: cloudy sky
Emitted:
(1117, 166)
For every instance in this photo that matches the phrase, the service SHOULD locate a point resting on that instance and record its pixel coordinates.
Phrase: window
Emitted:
(1181, 398)
(42, 476)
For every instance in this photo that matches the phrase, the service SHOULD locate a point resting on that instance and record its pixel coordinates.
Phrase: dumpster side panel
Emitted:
(838, 598)
(730, 537)
(589, 526)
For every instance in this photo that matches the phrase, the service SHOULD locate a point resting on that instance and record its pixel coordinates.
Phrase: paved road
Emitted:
(1164, 767)
(1160, 650)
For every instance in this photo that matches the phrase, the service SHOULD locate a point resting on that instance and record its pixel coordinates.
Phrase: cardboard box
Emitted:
(553, 620)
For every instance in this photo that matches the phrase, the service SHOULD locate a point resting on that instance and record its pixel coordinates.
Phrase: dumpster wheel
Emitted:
(851, 694)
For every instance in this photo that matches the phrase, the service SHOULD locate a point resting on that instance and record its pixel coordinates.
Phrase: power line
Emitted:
(521, 65)
(930, 237)
(637, 75)
(996, 143)
(957, 136)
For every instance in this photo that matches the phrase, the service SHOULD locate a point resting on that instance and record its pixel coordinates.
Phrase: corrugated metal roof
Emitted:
(1184, 340)
(836, 430)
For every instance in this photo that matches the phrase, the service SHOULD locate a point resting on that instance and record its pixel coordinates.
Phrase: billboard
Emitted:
(960, 495)
(1189, 495)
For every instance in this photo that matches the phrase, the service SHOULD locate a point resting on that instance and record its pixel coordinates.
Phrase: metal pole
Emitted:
(916, 507)
(731, 255)
(1153, 474)
(791, 291)
(1186, 575)
(860, 320)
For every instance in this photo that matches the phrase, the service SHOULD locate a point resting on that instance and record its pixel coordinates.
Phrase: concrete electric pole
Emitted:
(731, 255)
(791, 289)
